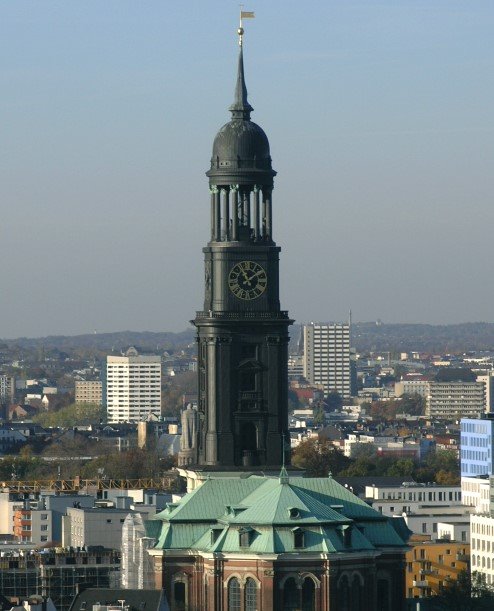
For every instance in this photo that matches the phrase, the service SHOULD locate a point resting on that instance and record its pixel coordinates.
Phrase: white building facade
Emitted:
(327, 357)
(133, 387)
(454, 400)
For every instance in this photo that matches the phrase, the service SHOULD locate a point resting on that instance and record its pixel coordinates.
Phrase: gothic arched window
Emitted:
(234, 602)
(291, 595)
(250, 595)
(343, 594)
(308, 595)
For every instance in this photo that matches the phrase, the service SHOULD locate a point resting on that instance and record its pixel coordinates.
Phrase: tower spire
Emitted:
(241, 108)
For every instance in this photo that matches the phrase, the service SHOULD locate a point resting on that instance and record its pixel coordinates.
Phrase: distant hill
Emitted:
(366, 336)
(144, 340)
(462, 337)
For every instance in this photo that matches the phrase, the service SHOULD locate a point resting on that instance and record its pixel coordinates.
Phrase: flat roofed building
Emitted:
(88, 391)
(327, 357)
(133, 387)
(453, 400)
(476, 446)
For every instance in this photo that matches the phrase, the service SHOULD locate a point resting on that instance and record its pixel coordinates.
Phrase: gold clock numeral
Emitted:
(247, 280)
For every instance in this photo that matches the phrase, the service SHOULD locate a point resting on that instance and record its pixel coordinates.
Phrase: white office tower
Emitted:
(133, 387)
(327, 357)
(137, 564)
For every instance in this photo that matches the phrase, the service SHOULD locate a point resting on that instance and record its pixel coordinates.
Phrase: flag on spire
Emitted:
(247, 15)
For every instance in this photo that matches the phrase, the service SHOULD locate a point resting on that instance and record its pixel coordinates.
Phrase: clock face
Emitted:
(247, 280)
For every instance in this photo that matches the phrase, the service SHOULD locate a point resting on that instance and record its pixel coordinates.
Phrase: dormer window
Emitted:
(294, 512)
(346, 534)
(298, 538)
(244, 537)
(215, 533)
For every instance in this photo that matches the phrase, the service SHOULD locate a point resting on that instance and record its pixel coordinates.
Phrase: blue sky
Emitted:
(379, 116)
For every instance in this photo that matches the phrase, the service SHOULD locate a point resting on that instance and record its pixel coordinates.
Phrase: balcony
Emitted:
(423, 583)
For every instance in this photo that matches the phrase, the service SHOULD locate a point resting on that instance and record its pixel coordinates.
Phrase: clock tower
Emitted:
(242, 333)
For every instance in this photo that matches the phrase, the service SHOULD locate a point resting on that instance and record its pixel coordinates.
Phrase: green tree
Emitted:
(464, 594)
(76, 414)
(319, 414)
(334, 401)
(319, 458)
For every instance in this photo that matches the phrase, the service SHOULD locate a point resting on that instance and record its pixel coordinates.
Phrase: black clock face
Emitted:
(247, 280)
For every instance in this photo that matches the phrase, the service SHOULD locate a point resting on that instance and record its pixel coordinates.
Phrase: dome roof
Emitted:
(241, 141)
(241, 148)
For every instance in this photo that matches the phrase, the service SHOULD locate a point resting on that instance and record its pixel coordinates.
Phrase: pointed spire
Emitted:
(241, 108)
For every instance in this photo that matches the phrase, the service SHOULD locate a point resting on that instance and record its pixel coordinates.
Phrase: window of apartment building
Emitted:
(44, 516)
(44, 527)
(424, 527)
(44, 538)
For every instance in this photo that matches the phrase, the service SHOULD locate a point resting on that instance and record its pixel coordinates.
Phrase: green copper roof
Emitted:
(213, 517)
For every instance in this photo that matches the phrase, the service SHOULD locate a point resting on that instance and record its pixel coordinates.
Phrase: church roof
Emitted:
(270, 510)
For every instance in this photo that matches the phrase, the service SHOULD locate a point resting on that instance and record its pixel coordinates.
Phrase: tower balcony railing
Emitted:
(223, 315)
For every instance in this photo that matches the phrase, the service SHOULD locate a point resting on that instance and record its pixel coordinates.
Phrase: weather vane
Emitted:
(243, 15)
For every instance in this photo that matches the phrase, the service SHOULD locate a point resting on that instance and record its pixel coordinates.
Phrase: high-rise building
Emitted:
(477, 446)
(327, 357)
(133, 387)
(7, 389)
(88, 391)
(453, 400)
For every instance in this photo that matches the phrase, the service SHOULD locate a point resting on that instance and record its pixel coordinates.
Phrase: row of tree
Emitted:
(320, 457)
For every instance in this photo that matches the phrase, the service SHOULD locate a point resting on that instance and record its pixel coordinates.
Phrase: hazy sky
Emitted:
(380, 118)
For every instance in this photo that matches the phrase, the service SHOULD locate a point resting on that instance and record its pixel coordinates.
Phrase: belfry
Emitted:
(242, 333)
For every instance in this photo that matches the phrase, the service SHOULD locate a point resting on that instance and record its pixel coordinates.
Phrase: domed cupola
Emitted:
(241, 148)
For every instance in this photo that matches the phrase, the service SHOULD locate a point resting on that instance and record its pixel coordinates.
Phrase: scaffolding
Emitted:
(166, 483)
(58, 573)
(137, 564)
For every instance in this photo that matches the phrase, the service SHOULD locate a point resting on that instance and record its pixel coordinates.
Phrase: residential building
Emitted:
(476, 446)
(95, 526)
(455, 400)
(295, 366)
(430, 566)
(33, 523)
(412, 384)
(475, 493)
(482, 550)
(487, 380)
(89, 391)
(57, 573)
(133, 387)
(328, 358)
(7, 389)
(139, 599)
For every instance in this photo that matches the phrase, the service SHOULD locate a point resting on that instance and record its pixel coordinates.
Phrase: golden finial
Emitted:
(243, 15)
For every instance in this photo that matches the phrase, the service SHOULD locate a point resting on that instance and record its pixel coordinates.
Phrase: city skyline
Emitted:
(379, 127)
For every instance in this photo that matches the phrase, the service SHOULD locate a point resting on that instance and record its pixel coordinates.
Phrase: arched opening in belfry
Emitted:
(248, 437)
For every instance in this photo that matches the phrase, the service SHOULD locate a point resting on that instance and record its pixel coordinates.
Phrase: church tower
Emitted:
(242, 333)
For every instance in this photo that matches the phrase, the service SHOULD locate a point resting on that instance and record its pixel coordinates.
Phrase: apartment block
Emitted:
(328, 359)
(133, 387)
(454, 400)
(430, 566)
(89, 391)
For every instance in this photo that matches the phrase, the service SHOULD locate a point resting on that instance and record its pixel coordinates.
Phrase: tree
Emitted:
(76, 414)
(464, 594)
(319, 414)
(334, 401)
(319, 458)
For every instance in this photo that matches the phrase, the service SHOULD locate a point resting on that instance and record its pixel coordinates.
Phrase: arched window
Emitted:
(308, 595)
(234, 602)
(343, 594)
(383, 595)
(356, 594)
(250, 595)
(291, 595)
(179, 596)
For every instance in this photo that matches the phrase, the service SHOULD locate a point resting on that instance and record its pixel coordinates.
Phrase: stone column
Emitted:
(234, 191)
(211, 450)
(226, 215)
(269, 215)
(217, 214)
(255, 222)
